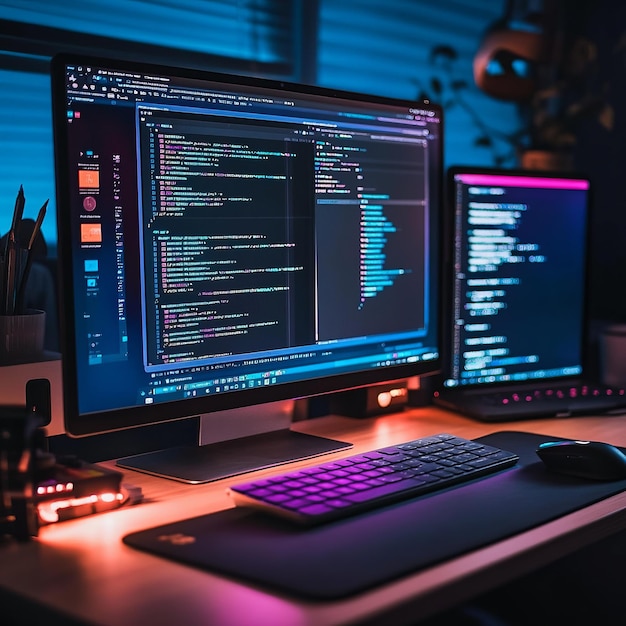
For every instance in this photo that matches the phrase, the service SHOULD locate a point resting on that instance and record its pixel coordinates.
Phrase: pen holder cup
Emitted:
(22, 337)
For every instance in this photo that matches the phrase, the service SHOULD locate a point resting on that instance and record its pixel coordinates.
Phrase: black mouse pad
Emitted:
(350, 556)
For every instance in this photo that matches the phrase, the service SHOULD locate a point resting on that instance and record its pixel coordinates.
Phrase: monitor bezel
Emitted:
(84, 424)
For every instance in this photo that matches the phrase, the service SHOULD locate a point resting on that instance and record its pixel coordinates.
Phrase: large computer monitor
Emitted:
(227, 241)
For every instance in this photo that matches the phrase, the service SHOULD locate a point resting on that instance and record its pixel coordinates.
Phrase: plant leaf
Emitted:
(483, 141)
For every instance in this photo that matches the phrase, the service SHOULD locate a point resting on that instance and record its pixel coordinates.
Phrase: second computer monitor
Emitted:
(518, 256)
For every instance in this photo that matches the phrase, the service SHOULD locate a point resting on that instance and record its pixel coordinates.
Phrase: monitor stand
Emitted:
(235, 442)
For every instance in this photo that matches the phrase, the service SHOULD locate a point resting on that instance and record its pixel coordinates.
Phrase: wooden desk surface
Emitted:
(82, 568)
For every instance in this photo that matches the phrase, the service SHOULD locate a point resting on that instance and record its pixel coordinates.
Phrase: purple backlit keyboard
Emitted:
(341, 488)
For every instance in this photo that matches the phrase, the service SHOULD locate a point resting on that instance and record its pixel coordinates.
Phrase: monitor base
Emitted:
(224, 459)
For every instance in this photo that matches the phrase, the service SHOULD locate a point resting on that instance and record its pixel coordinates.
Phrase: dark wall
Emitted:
(600, 150)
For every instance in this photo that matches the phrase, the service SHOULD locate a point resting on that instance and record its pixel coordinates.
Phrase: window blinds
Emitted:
(258, 30)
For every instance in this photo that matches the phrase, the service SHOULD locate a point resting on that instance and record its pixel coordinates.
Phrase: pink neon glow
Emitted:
(48, 511)
(523, 181)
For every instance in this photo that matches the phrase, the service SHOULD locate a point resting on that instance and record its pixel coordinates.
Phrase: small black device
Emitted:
(595, 460)
(69, 487)
(372, 400)
(516, 330)
(37, 487)
(38, 399)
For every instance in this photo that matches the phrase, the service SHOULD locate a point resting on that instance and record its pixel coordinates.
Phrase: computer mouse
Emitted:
(595, 460)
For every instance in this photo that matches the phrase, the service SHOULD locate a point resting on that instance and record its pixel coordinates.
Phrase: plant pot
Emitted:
(546, 160)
